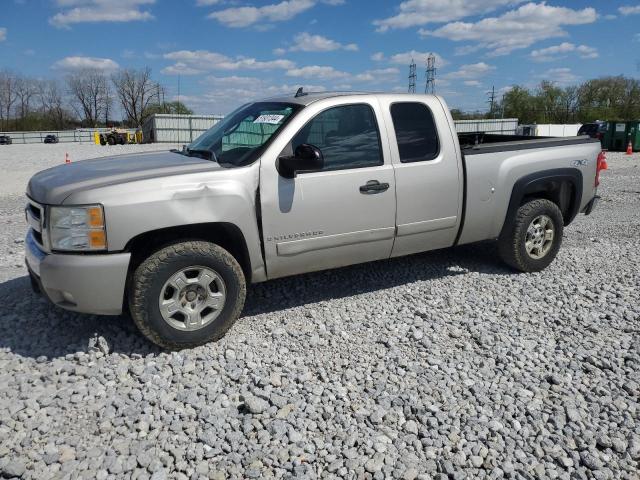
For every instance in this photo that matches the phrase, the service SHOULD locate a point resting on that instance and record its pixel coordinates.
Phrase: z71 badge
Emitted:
(580, 163)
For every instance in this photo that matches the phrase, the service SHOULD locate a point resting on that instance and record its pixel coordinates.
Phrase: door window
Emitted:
(415, 132)
(347, 136)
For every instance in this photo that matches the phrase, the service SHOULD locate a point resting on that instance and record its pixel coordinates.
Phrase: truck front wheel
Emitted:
(187, 294)
(531, 241)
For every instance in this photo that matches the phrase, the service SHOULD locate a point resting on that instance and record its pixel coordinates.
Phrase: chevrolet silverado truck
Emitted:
(291, 185)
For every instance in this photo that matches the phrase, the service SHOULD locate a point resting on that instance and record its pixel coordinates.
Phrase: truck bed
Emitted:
(478, 143)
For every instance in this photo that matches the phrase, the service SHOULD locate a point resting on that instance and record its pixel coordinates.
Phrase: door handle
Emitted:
(374, 186)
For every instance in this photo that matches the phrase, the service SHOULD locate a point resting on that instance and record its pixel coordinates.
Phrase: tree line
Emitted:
(606, 98)
(84, 98)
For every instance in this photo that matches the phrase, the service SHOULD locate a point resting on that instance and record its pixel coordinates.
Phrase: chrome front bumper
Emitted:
(83, 283)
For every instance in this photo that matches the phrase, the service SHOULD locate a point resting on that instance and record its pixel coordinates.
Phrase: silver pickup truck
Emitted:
(291, 185)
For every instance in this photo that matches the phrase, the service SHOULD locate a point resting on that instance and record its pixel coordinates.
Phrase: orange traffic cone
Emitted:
(66, 158)
(629, 149)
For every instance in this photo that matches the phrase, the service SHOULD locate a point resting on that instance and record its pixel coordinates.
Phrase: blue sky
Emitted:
(225, 52)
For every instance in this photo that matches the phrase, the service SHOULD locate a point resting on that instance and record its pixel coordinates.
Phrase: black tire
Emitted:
(512, 241)
(111, 140)
(149, 279)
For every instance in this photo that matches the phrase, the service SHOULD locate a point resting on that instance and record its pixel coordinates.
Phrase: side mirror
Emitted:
(306, 158)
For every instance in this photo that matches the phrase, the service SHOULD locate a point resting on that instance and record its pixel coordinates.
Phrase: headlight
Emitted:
(77, 228)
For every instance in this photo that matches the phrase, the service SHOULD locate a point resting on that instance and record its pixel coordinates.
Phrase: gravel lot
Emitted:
(443, 365)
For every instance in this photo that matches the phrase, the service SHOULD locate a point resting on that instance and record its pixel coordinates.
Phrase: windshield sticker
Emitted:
(273, 119)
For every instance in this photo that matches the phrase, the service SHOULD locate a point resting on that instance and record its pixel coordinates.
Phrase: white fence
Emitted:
(173, 128)
(549, 130)
(169, 128)
(505, 126)
(84, 135)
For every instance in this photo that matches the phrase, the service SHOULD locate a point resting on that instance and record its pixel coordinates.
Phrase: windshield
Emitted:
(242, 135)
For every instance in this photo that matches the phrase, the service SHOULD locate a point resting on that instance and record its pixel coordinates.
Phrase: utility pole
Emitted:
(412, 76)
(178, 89)
(492, 100)
(430, 85)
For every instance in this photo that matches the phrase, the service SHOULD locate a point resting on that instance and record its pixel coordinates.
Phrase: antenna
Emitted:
(430, 86)
(300, 92)
(412, 76)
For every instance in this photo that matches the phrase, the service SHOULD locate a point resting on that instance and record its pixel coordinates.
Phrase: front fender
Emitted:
(224, 196)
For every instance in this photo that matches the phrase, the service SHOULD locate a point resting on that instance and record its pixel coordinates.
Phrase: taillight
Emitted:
(601, 165)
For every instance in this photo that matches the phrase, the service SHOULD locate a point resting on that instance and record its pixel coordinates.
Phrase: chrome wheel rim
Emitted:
(539, 238)
(192, 298)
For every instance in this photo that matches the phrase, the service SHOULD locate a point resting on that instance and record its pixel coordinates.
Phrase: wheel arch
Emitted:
(226, 235)
(562, 186)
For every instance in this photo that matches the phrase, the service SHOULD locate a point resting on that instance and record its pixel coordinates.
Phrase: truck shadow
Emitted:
(36, 329)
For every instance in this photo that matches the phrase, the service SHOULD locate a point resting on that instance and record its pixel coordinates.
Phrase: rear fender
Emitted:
(561, 185)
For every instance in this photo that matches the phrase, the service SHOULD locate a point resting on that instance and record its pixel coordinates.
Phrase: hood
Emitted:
(53, 185)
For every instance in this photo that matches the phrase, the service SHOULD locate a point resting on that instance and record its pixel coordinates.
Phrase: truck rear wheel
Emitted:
(532, 240)
(187, 294)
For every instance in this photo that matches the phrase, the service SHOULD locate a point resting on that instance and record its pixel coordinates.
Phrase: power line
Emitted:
(412, 76)
(430, 85)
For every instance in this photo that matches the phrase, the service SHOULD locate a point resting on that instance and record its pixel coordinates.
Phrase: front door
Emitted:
(342, 215)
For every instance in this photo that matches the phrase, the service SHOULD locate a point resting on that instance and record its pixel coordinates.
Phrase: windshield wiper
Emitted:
(207, 154)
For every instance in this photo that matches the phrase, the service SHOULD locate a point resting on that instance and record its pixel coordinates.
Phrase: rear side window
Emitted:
(347, 136)
(415, 132)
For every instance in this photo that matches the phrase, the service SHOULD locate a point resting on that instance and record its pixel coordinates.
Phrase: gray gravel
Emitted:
(443, 365)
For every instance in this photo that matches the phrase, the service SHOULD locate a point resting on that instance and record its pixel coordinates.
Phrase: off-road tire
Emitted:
(150, 276)
(111, 140)
(511, 244)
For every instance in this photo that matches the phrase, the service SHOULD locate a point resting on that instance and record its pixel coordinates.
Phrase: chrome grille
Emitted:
(34, 213)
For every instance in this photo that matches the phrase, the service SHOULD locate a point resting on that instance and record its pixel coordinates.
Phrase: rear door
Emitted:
(428, 174)
(342, 215)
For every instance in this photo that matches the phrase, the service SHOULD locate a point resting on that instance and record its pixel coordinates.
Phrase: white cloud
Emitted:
(471, 71)
(558, 52)
(279, 51)
(223, 94)
(630, 10)
(413, 13)
(324, 73)
(472, 83)
(206, 3)
(238, 17)
(404, 58)
(79, 63)
(317, 72)
(516, 29)
(561, 76)
(380, 75)
(94, 11)
(193, 62)
(306, 42)
(3, 34)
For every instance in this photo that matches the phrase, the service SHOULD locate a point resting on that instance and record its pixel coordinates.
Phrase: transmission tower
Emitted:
(430, 86)
(492, 99)
(412, 77)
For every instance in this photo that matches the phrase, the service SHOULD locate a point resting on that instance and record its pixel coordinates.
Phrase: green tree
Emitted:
(176, 107)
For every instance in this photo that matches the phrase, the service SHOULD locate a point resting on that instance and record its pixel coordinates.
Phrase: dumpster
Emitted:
(618, 133)
(607, 135)
(633, 135)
